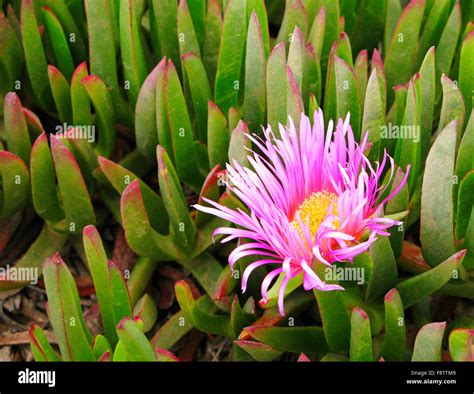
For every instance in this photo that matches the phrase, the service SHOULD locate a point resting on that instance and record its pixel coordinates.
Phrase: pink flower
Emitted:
(313, 196)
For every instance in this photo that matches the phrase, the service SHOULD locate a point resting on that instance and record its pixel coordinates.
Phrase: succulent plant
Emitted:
(178, 123)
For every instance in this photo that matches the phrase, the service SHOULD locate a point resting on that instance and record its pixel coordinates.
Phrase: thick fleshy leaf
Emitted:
(437, 212)
(428, 342)
(61, 94)
(316, 34)
(464, 160)
(134, 341)
(360, 69)
(453, 107)
(291, 339)
(361, 338)
(239, 141)
(188, 42)
(373, 119)
(200, 91)
(466, 79)
(76, 201)
(102, 53)
(464, 203)
(418, 287)
(175, 203)
(40, 346)
(428, 93)
(119, 177)
(384, 269)
(181, 132)
(260, 8)
(312, 82)
(100, 346)
(335, 320)
(347, 94)
(259, 351)
(173, 329)
(294, 99)
(58, 43)
(202, 320)
(164, 28)
(255, 65)
(64, 311)
(146, 132)
(226, 92)
(163, 355)
(331, 31)
(368, 24)
(71, 24)
(141, 237)
(15, 193)
(80, 101)
(400, 55)
(43, 182)
(277, 87)
(16, 128)
(295, 16)
(132, 54)
(460, 344)
(241, 316)
(399, 203)
(218, 136)
(433, 27)
(35, 57)
(97, 263)
(210, 51)
(146, 310)
(446, 48)
(140, 277)
(394, 339)
(11, 57)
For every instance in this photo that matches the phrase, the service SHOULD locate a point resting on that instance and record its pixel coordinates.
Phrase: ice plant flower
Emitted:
(313, 196)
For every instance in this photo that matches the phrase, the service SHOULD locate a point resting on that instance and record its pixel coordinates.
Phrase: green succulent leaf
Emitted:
(460, 344)
(428, 342)
(226, 92)
(401, 52)
(61, 94)
(103, 104)
(254, 103)
(74, 339)
(58, 43)
(259, 351)
(134, 341)
(394, 339)
(291, 339)
(437, 211)
(466, 79)
(40, 346)
(416, 288)
(35, 57)
(141, 237)
(80, 101)
(146, 310)
(199, 318)
(361, 338)
(98, 266)
(277, 87)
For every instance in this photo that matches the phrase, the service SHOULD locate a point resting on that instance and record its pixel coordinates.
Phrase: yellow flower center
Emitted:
(313, 211)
